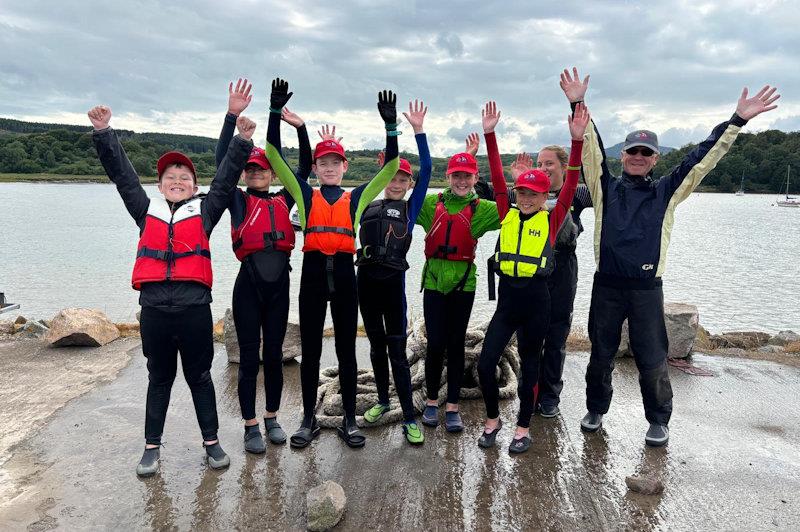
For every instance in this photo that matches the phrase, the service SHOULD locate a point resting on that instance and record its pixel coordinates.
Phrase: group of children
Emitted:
(172, 270)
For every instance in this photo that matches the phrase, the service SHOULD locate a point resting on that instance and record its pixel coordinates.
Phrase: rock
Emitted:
(325, 505)
(291, 342)
(219, 330)
(7, 327)
(139, 315)
(784, 337)
(703, 340)
(682, 321)
(770, 349)
(21, 320)
(739, 339)
(81, 326)
(127, 330)
(644, 485)
(731, 351)
(32, 329)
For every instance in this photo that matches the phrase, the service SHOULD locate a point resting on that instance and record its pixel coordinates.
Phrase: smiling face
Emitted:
(398, 186)
(257, 178)
(529, 202)
(329, 169)
(637, 163)
(177, 183)
(549, 162)
(461, 183)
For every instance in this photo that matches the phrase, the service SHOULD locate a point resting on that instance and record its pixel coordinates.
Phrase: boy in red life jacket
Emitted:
(263, 239)
(173, 274)
(329, 216)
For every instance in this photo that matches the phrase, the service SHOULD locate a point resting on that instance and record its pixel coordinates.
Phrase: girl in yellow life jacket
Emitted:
(523, 260)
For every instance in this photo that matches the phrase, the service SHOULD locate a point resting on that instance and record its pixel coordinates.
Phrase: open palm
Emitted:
(762, 102)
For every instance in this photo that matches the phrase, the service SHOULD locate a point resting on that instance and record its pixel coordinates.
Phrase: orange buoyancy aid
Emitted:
(173, 246)
(266, 226)
(329, 228)
(450, 236)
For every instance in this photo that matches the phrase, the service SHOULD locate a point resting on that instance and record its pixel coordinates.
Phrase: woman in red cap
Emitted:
(263, 239)
(454, 220)
(524, 260)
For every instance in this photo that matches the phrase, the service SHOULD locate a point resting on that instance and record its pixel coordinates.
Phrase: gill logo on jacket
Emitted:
(647, 267)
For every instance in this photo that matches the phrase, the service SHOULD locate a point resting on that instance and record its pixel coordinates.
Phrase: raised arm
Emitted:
(578, 122)
(117, 165)
(305, 158)
(490, 116)
(238, 100)
(416, 117)
(683, 179)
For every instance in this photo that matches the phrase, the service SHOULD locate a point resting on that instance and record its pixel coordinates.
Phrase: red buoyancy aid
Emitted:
(450, 237)
(329, 228)
(173, 246)
(266, 226)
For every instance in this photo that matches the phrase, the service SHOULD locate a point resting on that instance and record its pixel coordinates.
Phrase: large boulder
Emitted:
(81, 326)
(683, 322)
(784, 337)
(325, 505)
(291, 342)
(747, 340)
(6, 327)
(32, 329)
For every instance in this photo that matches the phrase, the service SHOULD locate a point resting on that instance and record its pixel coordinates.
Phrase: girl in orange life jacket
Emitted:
(454, 220)
(263, 239)
(329, 217)
(524, 260)
(173, 274)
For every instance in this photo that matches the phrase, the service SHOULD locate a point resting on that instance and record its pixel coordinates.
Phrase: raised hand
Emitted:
(327, 132)
(240, 97)
(749, 108)
(416, 115)
(280, 93)
(578, 121)
(246, 127)
(100, 116)
(490, 116)
(381, 159)
(291, 118)
(522, 164)
(387, 106)
(573, 87)
(473, 142)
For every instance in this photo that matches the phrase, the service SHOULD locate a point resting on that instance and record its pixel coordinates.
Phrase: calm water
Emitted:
(63, 245)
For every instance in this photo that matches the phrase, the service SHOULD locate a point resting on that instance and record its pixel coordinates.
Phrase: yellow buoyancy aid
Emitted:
(523, 249)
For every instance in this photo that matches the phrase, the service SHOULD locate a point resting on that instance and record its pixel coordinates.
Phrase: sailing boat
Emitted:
(789, 201)
(740, 192)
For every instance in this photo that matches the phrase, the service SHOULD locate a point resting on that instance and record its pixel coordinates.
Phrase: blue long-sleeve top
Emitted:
(424, 178)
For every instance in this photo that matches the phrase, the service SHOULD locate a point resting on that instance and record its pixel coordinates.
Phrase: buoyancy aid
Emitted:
(329, 228)
(266, 226)
(385, 238)
(523, 247)
(173, 246)
(450, 237)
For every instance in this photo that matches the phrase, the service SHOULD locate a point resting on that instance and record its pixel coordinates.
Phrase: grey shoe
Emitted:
(148, 465)
(657, 435)
(275, 433)
(549, 411)
(488, 439)
(591, 422)
(253, 441)
(430, 416)
(217, 459)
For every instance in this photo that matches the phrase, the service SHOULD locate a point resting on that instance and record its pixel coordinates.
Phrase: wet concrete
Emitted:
(733, 462)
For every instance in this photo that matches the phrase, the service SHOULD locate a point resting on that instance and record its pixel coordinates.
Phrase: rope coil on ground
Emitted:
(329, 399)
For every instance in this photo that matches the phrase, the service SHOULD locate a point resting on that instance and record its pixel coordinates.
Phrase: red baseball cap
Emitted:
(535, 180)
(174, 157)
(259, 157)
(462, 162)
(328, 146)
(405, 166)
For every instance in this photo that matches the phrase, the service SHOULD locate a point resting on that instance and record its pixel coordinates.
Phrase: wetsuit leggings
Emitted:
(315, 293)
(644, 310)
(383, 308)
(563, 284)
(260, 307)
(188, 330)
(446, 321)
(523, 306)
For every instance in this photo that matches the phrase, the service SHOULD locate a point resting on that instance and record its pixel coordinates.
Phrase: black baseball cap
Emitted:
(641, 137)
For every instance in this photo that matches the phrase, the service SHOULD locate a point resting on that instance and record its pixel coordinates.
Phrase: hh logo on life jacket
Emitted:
(394, 213)
(647, 267)
(534, 232)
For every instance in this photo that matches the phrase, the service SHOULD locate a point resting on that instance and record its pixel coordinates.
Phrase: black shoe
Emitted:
(308, 432)
(274, 431)
(487, 439)
(591, 422)
(350, 434)
(657, 435)
(549, 411)
(217, 459)
(253, 441)
(148, 465)
(519, 445)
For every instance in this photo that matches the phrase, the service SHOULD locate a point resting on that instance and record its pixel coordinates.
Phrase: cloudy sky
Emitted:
(676, 67)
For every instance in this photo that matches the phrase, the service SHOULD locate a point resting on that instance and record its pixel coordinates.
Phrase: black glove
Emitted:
(280, 94)
(387, 107)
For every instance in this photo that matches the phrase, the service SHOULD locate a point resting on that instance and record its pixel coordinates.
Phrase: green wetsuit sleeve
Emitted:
(485, 219)
(281, 169)
(367, 192)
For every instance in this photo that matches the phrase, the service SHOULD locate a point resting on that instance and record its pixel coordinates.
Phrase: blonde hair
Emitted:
(560, 152)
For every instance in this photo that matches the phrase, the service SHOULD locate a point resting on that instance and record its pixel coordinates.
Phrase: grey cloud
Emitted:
(450, 43)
